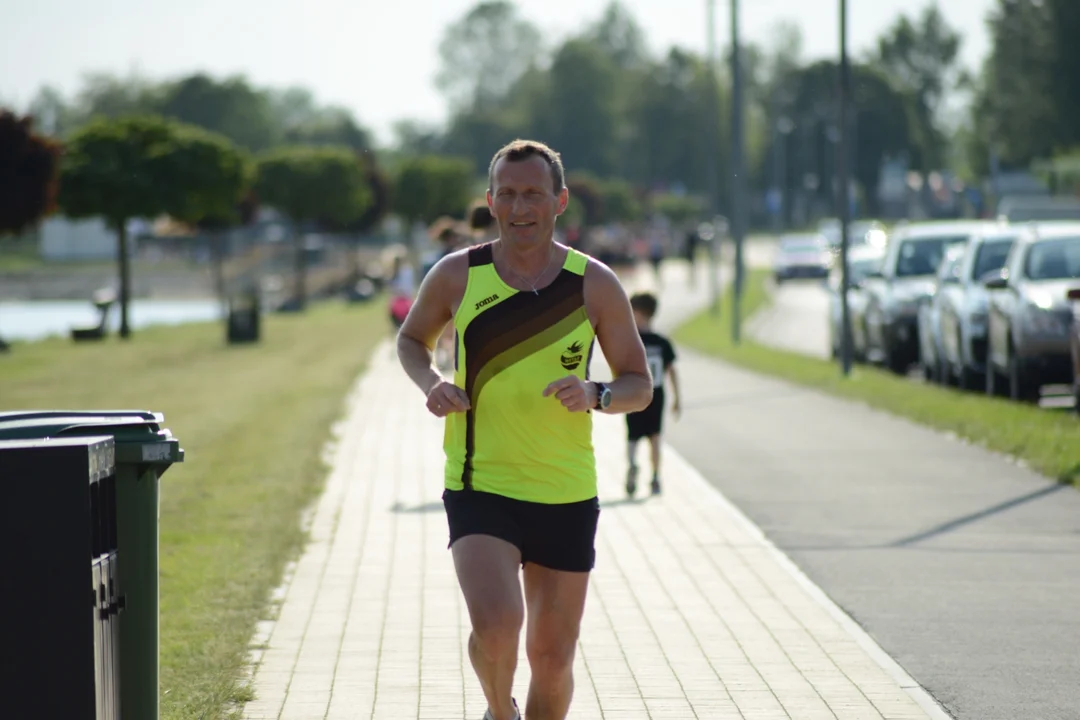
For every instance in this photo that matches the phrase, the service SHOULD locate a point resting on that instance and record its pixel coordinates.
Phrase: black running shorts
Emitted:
(559, 537)
(649, 421)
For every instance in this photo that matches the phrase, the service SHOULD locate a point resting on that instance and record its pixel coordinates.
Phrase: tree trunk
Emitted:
(125, 277)
(217, 259)
(300, 269)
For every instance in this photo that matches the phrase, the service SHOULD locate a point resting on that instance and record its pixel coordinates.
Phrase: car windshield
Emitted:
(1057, 259)
(991, 256)
(922, 256)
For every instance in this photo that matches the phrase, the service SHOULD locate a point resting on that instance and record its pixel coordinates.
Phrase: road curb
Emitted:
(933, 709)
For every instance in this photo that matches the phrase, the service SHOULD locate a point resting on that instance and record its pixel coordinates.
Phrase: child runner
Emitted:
(649, 422)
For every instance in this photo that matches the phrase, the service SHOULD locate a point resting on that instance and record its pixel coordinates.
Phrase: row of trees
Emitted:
(146, 166)
(254, 118)
(1027, 99)
(616, 111)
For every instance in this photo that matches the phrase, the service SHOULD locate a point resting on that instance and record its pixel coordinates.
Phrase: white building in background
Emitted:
(64, 239)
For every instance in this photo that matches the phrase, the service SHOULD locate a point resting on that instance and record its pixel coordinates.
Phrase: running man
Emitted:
(520, 480)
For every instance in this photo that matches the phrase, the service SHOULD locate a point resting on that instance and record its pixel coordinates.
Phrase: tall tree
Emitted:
(484, 53)
(142, 167)
(29, 166)
(583, 118)
(210, 189)
(620, 36)
(330, 126)
(309, 185)
(1015, 112)
(231, 107)
(430, 186)
(113, 96)
(880, 125)
(920, 57)
(669, 114)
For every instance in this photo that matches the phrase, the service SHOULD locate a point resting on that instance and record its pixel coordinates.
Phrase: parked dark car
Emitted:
(1030, 317)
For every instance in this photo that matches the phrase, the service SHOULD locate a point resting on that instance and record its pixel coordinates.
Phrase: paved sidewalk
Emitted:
(691, 613)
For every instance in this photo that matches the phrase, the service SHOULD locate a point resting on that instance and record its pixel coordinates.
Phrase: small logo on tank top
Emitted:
(486, 301)
(572, 357)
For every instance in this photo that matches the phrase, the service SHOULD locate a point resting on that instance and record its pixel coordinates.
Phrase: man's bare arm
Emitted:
(430, 312)
(632, 388)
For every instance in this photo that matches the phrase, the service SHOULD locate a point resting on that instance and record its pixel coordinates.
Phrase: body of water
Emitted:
(39, 319)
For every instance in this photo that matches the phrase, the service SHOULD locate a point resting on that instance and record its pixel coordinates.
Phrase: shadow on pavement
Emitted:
(975, 517)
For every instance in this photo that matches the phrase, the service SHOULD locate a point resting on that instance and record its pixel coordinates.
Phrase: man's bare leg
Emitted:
(487, 570)
(556, 602)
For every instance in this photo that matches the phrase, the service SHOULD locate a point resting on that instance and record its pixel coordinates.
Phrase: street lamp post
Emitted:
(845, 203)
(738, 205)
(711, 143)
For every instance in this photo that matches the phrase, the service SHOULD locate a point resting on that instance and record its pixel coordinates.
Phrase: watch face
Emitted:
(605, 397)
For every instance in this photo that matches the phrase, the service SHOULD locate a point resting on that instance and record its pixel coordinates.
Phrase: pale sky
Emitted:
(376, 57)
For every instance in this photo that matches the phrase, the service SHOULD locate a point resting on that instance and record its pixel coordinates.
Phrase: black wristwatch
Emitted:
(603, 396)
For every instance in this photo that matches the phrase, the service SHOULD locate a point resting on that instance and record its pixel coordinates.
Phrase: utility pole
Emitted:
(711, 145)
(738, 204)
(845, 203)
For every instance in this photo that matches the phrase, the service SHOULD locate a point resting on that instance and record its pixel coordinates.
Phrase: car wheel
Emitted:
(929, 372)
(893, 362)
(1022, 386)
(967, 379)
(945, 374)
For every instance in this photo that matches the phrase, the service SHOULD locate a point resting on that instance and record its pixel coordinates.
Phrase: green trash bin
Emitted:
(144, 451)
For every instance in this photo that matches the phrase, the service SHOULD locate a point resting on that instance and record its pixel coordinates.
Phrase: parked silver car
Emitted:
(862, 260)
(802, 256)
(913, 254)
(1029, 312)
(964, 306)
(945, 291)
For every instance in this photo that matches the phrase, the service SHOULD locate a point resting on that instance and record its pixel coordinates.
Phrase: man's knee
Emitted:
(552, 655)
(497, 628)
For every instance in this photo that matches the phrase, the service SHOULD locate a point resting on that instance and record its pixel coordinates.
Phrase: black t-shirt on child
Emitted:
(660, 354)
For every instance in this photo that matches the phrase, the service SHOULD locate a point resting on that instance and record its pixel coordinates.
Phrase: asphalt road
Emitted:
(963, 566)
(797, 320)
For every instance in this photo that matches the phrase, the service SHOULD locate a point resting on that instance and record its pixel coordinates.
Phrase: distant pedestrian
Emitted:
(649, 422)
(401, 284)
(656, 254)
(693, 240)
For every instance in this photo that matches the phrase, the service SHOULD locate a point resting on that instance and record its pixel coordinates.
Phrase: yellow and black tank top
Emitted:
(510, 345)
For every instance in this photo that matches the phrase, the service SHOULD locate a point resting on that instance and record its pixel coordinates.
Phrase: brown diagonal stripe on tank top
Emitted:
(516, 319)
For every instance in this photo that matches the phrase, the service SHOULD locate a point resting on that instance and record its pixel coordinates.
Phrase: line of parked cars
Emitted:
(982, 305)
